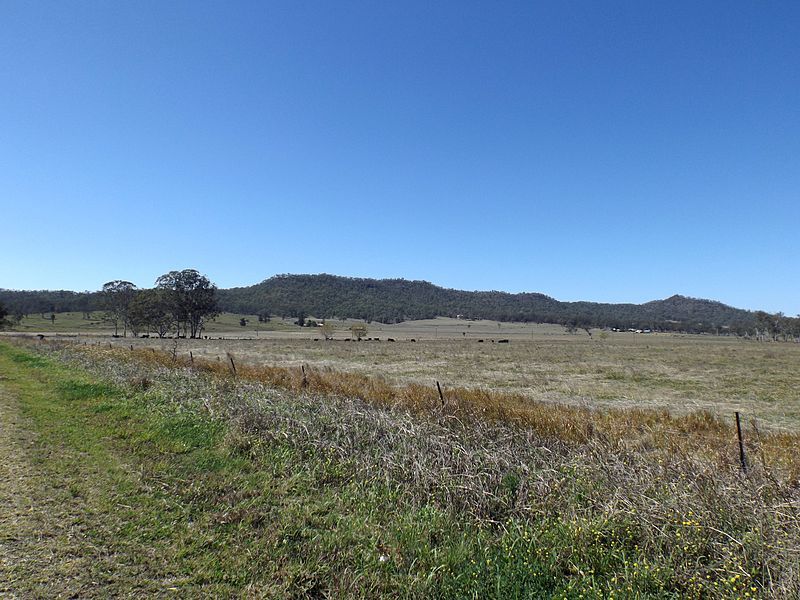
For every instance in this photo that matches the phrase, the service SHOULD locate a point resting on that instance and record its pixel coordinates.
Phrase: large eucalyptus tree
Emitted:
(191, 297)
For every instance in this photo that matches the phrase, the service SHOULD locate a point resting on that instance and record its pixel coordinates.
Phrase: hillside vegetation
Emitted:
(396, 300)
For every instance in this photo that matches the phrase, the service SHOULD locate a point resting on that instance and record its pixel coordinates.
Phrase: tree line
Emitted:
(776, 326)
(182, 301)
(20, 304)
(397, 300)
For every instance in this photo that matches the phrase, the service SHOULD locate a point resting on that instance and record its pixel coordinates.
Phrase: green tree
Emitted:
(794, 327)
(17, 314)
(150, 311)
(192, 299)
(117, 297)
(769, 325)
(3, 321)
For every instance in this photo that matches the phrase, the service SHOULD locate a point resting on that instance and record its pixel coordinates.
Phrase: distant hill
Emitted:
(42, 301)
(395, 300)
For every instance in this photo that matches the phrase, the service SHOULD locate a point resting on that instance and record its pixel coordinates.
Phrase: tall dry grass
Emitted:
(621, 430)
(647, 491)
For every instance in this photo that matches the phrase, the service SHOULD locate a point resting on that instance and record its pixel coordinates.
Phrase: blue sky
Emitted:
(607, 151)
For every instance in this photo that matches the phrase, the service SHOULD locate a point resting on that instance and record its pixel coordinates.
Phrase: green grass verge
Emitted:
(173, 501)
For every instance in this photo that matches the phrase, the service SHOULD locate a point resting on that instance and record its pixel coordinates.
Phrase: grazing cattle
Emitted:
(502, 341)
(413, 340)
(390, 339)
(480, 341)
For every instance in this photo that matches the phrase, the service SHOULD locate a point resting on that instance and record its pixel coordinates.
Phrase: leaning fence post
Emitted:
(441, 395)
(233, 365)
(742, 457)
(305, 378)
(191, 357)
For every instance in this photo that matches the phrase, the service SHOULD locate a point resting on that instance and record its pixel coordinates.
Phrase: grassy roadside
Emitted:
(97, 524)
(157, 500)
(195, 485)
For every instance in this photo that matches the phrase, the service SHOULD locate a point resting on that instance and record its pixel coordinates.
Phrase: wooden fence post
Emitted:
(742, 457)
(233, 365)
(441, 395)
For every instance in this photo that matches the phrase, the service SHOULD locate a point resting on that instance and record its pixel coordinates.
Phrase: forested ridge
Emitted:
(396, 300)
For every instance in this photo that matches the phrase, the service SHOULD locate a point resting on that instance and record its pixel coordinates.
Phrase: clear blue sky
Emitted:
(608, 151)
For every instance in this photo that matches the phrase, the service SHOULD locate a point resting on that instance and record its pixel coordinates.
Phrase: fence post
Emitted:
(233, 365)
(441, 395)
(742, 457)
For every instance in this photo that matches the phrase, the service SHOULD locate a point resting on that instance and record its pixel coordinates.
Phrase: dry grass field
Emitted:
(680, 373)
(491, 490)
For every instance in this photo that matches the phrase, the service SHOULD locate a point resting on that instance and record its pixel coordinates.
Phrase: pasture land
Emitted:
(142, 473)
(680, 373)
(95, 324)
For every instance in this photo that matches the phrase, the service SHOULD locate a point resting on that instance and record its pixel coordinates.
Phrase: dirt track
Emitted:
(44, 547)
(22, 521)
